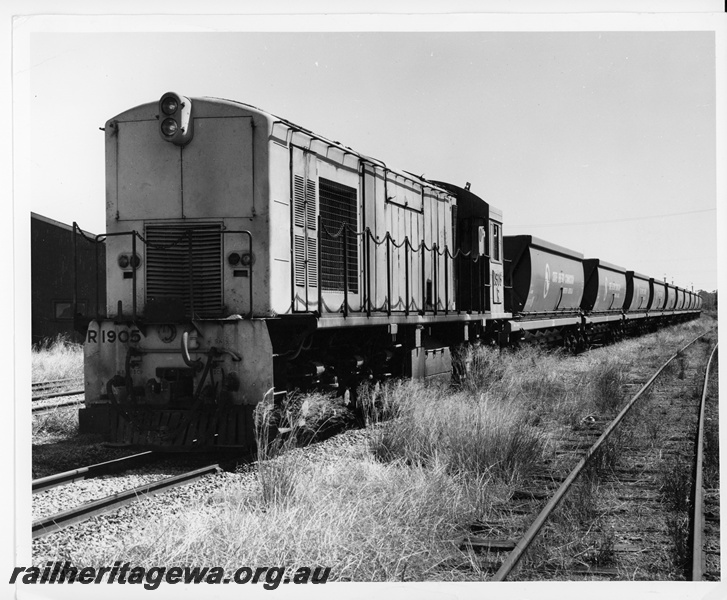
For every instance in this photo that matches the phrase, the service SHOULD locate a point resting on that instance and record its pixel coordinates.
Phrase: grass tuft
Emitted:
(477, 435)
(606, 383)
(59, 422)
(57, 358)
(676, 486)
(677, 525)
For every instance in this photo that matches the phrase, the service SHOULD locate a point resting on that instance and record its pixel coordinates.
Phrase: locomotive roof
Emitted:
(274, 118)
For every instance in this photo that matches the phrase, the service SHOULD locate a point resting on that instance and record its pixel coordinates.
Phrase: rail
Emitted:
(42, 408)
(58, 394)
(698, 508)
(61, 520)
(525, 542)
(51, 383)
(104, 468)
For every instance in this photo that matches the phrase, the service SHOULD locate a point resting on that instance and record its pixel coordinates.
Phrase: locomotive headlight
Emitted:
(169, 127)
(233, 259)
(125, 261)
(175, 119)
(169, 105)
(246, 259)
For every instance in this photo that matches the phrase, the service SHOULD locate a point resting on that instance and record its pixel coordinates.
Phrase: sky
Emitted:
(600, 141)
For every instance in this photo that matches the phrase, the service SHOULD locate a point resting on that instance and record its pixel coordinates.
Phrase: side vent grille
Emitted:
(300, 261)
(305, 202)
(184, 264)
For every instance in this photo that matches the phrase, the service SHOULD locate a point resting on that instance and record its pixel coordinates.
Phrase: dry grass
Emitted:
(296, 421)
(60, 422)
(440, 459)
(51, 360)
(478, 435)
(56, 359)
(675, 486)
(367, 520)
(606, 383)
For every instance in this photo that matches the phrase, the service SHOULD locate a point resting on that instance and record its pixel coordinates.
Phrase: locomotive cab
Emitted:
(478, 238)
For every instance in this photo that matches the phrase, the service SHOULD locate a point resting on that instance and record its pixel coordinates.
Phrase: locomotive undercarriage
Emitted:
(194, 390)
(199, 391)
(339, 360)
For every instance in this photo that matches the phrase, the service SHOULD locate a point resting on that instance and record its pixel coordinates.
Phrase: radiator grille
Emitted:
(184, 263)
(338, 207)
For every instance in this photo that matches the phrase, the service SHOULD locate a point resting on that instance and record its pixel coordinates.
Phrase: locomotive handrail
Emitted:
(343, 226)
(334, 235)
(162, 246)
(474, 259)
(247, 233)
(367, 264)
(345, 271)
(102, 237)
(393, 241)
(96, 240)
(376, 239)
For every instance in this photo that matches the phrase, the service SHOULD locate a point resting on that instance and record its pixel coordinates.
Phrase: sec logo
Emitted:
(546, 287)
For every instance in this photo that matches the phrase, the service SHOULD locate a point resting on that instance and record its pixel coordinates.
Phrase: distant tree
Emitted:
(709, 299)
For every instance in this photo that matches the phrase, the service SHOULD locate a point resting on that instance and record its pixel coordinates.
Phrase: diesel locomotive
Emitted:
(247, 256)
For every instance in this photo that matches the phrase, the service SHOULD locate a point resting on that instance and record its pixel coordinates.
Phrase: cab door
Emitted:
(497, 290)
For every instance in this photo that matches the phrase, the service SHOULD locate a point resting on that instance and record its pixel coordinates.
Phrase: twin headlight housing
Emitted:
(175, 119)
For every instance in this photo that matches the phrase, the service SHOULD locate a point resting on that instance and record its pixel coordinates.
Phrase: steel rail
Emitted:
(104, 468)
(47, 525)
(521, 547)
(698, 514)
(58, 395)
(48, 407)
(54, 382)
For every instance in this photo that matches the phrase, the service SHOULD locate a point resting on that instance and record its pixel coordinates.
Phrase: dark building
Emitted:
(52, 278)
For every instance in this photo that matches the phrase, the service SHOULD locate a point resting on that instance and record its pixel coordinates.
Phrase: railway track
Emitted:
(97, 470)
(54, 383)
(705, 541)
(606, 540)
(43, 408)
(50, 524)
(44, 390)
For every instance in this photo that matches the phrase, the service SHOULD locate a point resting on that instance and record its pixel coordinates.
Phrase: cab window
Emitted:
(496, 237)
